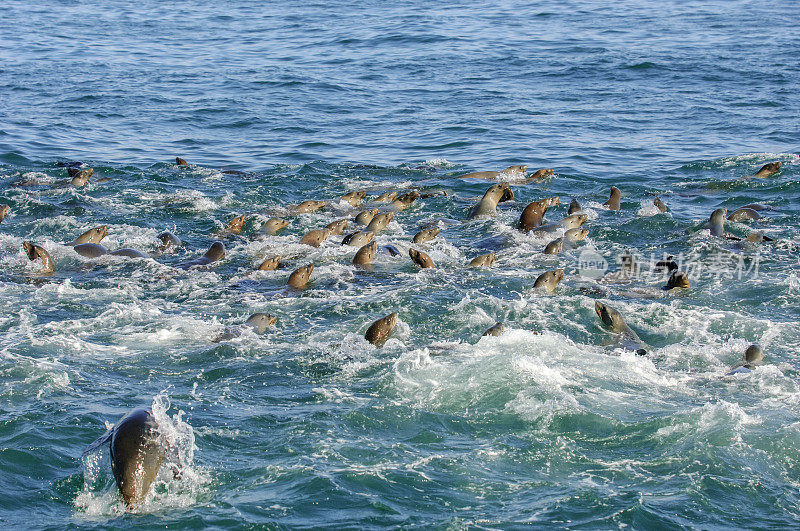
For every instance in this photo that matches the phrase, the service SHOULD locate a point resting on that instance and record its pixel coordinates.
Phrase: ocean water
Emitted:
(551, 424)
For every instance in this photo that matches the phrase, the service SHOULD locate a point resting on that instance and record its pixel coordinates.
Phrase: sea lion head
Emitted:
(259, 322)
(718, 216)
(678, 279)
(380, 330)
(235, 225)
(180, 162)
(519, 168)
(495, 330)
(270, 264)
(577, 234)
(615, 193)
(216, 251)
(610, 317)
(337, 227)
(420, 258)
(299, 277)
(30, 250)
(753, 355)
(366, 254)
(409, 197)
(276, 224)
(508, 193)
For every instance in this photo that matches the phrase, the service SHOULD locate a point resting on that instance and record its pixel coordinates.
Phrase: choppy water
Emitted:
(309, 425)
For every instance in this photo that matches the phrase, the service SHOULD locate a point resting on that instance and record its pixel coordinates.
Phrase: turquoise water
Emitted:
(310, 426)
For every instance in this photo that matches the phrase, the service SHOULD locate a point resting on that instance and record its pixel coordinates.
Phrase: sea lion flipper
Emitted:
(103, 439)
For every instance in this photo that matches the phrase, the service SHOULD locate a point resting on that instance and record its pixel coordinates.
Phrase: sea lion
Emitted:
(667, 265)
(717, 222)
(358, 238)
(659, 204)
(136, 455)
(354, 198)
(612, 319)
(271, 227)
(678, 279)
(521, 168)
(299, 277)
(365, 216)
(386, 197)
(259, 322)
(487, 206)
(391, 250)
(129, 253)
(573, 221)
(215, 252)
(90, 250)
(532, 215)
(613, 200)
(366, 254)
(425, 235)
(484, 260)
(4, 210)
(379, 222)
(555, 246)
(405, 200)
(168, 239)
(180, 162)
(549, 280)
(337, 227)
(94, 235)
(421, 259)
(758, 237)
(743, 214)
(752, 358)
(757, 207)
(236, 224)
(82, 177)
(315, 237)
(379, 331)
(308, 206)
(540, 174)
(574, 207)
(495, 330)
(575, 235)
(768, 169)
(37, 251)
(270, 264)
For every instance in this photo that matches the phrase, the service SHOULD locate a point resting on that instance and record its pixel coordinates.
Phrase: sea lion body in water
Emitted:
(678, 279)
(82, 177)
(421, 259)
(94, 235)
(555, 246)
(315, 237)
(405, 200)
(271, 227)
(37, 251)
(573, 221)
(4, 210)
(358, 238)
(365, 216)
(168, 240)
(575, 235)
(299, 277)
(613, 200)
(136, 455)
(425, 235)
(308, 206)
(521, 168)
(270, 264)
(90, 250)
(235, 225)
(574, 207)
(259, 322)
(366, 254)
(549, 280)
(659, 204)
(386, 197)
(753, 357)
(484, 260)
(613, 320)
(716, 222)
(215, 252)
(129, 253)
(487, 206)
(744, 214)
(379, 331)
(496, 330)
(540, 174)
(337, 227)
(379, 222)
(180, 162)
(354, 198)
(768, 169)
(533, 214)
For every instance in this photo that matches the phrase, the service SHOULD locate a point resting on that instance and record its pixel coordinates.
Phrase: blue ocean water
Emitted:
(310, 426)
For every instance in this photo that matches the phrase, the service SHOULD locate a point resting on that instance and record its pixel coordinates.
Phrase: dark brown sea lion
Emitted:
(180, 162)
(541, 174)
(405, 200)
(379, 222)
(215, 253)
(366, 254)
(768, 169)
(533, 214)
(613, 320)
(743, 214)
(421, 259)
(659, 204)
(358, 238)
(549, 280)
(136, 455)
(678, 279)
(425, 235)
(299, 277)
(496, 330)
(574, 207)
(613, 200)
(484, 260)
(37, 251)
(379, 331)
